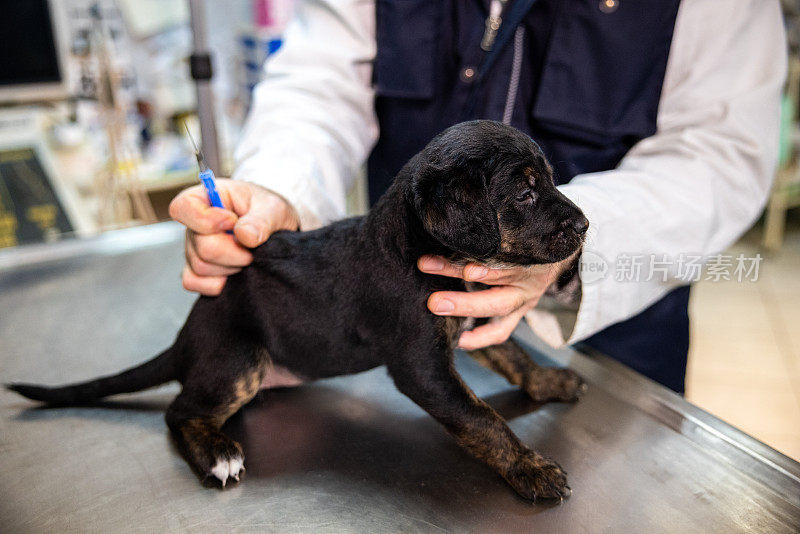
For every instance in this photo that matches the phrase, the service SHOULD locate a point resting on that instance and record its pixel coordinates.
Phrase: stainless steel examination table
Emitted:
(349, 454)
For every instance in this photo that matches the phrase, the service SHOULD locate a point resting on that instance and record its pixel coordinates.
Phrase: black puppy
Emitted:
(348, 297)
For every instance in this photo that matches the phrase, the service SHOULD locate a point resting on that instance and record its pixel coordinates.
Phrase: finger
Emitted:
(539, 275)
(210, 286)
(494, 332)
(203, 268)
(440, 266)
(493, 302)
(191, 209)
(472, 272)
(218, 249)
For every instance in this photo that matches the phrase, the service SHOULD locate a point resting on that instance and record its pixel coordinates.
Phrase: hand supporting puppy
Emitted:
(212, 254)
(514, 292)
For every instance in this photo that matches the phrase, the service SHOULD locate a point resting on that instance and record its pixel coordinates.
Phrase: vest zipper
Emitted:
(516, 68)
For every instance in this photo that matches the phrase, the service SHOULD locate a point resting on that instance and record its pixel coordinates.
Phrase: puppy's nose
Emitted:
(580, 225)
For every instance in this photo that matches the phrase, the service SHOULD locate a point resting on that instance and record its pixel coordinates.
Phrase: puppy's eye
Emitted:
(526, 197)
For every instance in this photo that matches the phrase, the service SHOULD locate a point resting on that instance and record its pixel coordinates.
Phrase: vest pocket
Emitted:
(406, 38)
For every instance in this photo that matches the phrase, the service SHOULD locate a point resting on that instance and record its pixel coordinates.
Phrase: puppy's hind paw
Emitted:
(553, 384)
(227, 468)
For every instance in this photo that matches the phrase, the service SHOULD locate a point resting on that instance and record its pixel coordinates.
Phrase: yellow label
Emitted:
(44, 215)
(23, 154)
(8, 230)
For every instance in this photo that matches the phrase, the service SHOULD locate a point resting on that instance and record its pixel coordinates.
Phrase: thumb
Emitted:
(266, 213)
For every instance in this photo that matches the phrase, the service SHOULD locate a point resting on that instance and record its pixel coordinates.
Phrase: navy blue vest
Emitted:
(589, 86)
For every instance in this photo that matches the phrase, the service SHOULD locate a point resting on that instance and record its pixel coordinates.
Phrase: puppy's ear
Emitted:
(454, 208)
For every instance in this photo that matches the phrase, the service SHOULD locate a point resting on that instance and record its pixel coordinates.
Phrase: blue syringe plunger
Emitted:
(207, 177)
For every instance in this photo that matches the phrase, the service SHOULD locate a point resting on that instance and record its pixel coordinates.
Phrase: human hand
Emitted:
(252, 212)
(513, 293)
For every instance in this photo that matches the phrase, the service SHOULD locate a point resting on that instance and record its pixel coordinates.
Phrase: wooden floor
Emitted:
(744, 360)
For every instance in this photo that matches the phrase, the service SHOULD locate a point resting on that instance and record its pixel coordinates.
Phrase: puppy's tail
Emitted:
(149, 374)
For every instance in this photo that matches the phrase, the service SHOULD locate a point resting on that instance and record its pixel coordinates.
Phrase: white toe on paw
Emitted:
(221, 470)
(225, 468)
(234, 468)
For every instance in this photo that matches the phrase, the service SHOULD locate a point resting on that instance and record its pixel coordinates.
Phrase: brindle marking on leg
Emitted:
(450, 330)
(541, 383)
(245, 389)
(498, 359)
(477, 427)
(212, 454)
(529, 473)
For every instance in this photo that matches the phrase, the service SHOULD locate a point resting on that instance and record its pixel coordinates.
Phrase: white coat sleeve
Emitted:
(313, 123)
(696, 185)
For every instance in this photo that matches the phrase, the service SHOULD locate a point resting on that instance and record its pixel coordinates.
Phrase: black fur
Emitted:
(348, 297)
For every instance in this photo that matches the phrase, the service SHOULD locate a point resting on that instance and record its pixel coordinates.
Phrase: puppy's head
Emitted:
(485, 191)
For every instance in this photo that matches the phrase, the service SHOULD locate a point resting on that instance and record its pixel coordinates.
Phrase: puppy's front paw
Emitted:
(536, 477)
(555, 384)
